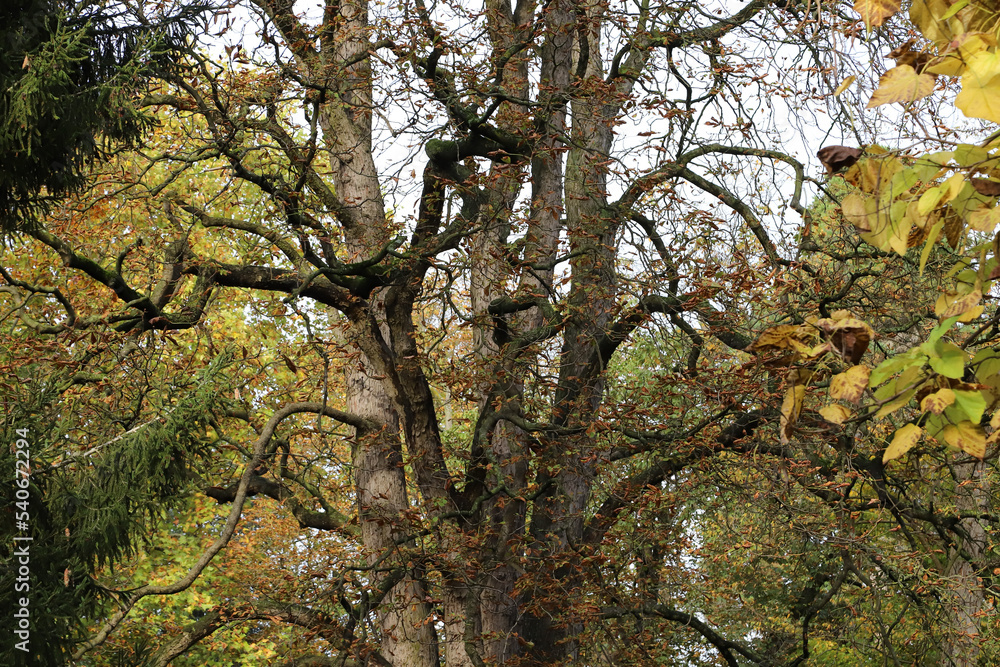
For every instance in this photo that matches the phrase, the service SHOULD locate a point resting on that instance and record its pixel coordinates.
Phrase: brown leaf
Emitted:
(986, 187)
(904, 55)
(916, 236)
(835, 158)
(851, 343)
(953, 228)
(849, 336)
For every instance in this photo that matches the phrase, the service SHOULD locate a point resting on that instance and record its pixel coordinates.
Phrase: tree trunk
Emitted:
(964, 595)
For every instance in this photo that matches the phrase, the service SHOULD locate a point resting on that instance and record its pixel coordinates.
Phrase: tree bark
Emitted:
(964, 595)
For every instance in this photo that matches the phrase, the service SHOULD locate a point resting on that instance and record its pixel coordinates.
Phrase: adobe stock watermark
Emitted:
(22, 541)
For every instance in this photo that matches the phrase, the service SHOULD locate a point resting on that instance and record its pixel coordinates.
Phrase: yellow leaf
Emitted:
(980, 96)
(951, 304)
(860, 211)
(902, 442)
(928, 16)
(984, 219)
(971, 314)
(959, 51)
(901, 84)
(790, 409)
(932, 236)
(835, 413)
(780, 337)
(875, 173)
(875, 12)
(900, 236)
(938, 401)
(844, 85)
(952, 187)
(851, 384)
(966, 436)
(929, 200)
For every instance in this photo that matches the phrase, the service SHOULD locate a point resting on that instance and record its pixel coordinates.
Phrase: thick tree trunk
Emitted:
(404, 614)
(407, 637)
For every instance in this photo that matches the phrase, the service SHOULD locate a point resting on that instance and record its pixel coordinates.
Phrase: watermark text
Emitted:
(22, 540)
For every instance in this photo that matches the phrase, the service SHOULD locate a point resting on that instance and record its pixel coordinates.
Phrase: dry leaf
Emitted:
(904, 55)
(835, 158)
(986, 187)
(953, 228)
(844, 85)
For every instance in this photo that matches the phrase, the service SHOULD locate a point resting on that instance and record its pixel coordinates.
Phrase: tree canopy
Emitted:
(69, 74)
(519, 334)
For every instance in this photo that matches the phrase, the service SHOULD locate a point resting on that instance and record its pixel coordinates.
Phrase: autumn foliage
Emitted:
(432, 334)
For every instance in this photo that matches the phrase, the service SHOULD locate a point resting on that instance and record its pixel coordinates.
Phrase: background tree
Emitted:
(534, 389)
(69, 72)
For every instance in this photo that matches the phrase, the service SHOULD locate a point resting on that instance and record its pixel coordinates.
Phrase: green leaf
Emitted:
(949, 360)
(905, 385)
(893, 365)
(935, 335)
(896, 403)
(972, 403)
(970, 154)
(932, 237)
(955, 8)
(986, 363)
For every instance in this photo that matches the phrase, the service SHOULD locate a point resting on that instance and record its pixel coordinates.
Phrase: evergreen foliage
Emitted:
(71, 72)
(89, 511)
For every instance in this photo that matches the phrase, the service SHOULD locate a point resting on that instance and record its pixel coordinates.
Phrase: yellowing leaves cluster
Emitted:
(961, 41)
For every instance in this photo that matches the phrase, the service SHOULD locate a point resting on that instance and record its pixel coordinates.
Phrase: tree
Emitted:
(69, 72)
(555, 413)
